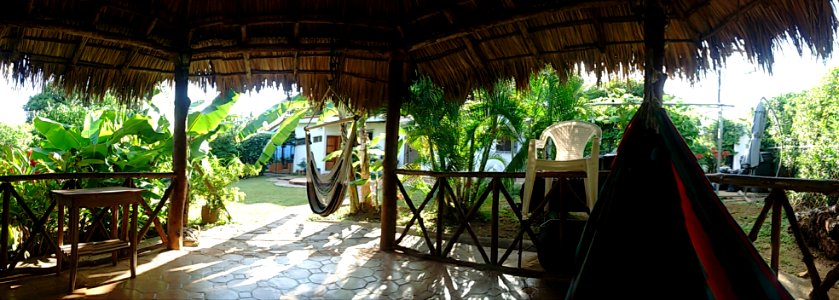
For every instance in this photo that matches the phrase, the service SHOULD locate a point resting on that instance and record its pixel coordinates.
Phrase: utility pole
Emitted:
(719, 130)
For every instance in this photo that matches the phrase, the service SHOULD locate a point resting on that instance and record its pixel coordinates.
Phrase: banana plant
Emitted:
(107, 141)
(288, 113)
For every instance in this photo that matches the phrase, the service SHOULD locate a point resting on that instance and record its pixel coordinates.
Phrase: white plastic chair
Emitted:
(570, 139)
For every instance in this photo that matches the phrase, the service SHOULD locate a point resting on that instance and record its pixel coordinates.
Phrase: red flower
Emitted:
(699, 156)
(29, 153)
(32, 163)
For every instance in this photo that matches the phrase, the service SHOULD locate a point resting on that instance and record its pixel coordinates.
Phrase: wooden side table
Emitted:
(106, 197)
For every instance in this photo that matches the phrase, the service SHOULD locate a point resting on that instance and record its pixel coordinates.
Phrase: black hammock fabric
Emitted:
(658, 230)
(326, 192)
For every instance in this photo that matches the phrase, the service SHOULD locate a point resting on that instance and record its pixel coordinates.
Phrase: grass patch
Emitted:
(262, 200)
(746, 213)
(262, 190)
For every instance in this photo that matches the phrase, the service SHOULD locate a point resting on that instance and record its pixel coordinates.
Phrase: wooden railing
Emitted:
(68, 180)
(777, 202)
(439, 244)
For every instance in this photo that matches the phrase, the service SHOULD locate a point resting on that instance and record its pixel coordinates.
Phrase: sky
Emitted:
(743, 85)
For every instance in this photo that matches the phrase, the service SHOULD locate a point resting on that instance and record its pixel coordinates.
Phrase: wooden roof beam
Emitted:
(288, 19)
(151, 26)
(243, 32)
(470, 46)
(600, 34)
(127, 62)
(102, 9)
(517, 15)
(154, 14)
(436, 10)
(692, 10)
(295, 41)
(247, 61)
(30, 6)
(321, 54)
(730, 18)
(529, 42)
(567, 49)
(92, 34)
(15, 44)
(47, 59)
(325, 47)
(78, 52)
(684, 16)
(288, 72)
(508, 3)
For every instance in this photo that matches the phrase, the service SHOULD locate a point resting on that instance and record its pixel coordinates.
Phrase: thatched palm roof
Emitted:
(129, 46)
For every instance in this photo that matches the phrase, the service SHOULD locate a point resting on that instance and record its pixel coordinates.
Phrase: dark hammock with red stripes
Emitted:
(659, 231)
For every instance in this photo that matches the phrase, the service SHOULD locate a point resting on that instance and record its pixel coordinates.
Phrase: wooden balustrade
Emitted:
(779, 204)
(70, 180)
(440, 244)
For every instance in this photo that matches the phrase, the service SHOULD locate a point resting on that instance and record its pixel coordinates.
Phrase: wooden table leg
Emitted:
(132, 236)
(59, 255)
(74, 246)
(114, 231)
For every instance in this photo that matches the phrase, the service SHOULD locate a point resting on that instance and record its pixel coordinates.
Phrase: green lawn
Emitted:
(263, 200)
(261, 190)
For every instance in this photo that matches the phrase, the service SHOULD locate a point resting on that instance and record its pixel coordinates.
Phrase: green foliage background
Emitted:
(803, 128)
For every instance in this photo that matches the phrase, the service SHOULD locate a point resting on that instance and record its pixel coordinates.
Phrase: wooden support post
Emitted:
(396, 89)
(496, 190)
(179, 155)
(775, 241)
(4, 236)
(438, 227)
(655, 21)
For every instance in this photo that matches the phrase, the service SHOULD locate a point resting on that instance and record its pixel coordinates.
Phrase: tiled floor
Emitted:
(290, 258)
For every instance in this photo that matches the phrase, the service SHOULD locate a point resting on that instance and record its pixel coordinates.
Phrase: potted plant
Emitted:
(211, 184)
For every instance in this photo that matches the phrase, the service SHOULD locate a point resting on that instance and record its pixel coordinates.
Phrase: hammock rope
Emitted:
(326, 191)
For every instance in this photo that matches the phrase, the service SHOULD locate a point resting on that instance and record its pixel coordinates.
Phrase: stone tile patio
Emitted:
(288, 257)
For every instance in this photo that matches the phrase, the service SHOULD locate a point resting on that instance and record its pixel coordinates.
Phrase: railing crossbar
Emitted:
(417, 216)
(153, 216)
(464, 223)
(38, 227)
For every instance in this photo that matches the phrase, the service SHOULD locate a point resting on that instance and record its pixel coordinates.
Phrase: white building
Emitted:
(327, 139)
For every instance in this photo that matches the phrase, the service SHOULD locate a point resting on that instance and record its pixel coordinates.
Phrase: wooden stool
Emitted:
(96, 198)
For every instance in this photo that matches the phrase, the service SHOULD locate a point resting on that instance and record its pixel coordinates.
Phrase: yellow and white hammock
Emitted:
(326, 191)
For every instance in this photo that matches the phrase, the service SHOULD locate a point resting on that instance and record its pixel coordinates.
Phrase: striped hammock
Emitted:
(326, 191)
(658, 230)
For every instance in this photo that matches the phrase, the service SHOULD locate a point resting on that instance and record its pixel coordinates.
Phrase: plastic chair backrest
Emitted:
(570, 139)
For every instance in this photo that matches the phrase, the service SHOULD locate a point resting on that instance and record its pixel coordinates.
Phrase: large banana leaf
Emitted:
(270, 116)
(285, 129)
(205, 121)
(92, 128)
(57, 135)
(99, 151)
(140, 126)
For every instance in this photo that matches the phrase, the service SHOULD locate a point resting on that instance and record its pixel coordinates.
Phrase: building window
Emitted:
(317, 139)
(503, 145)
